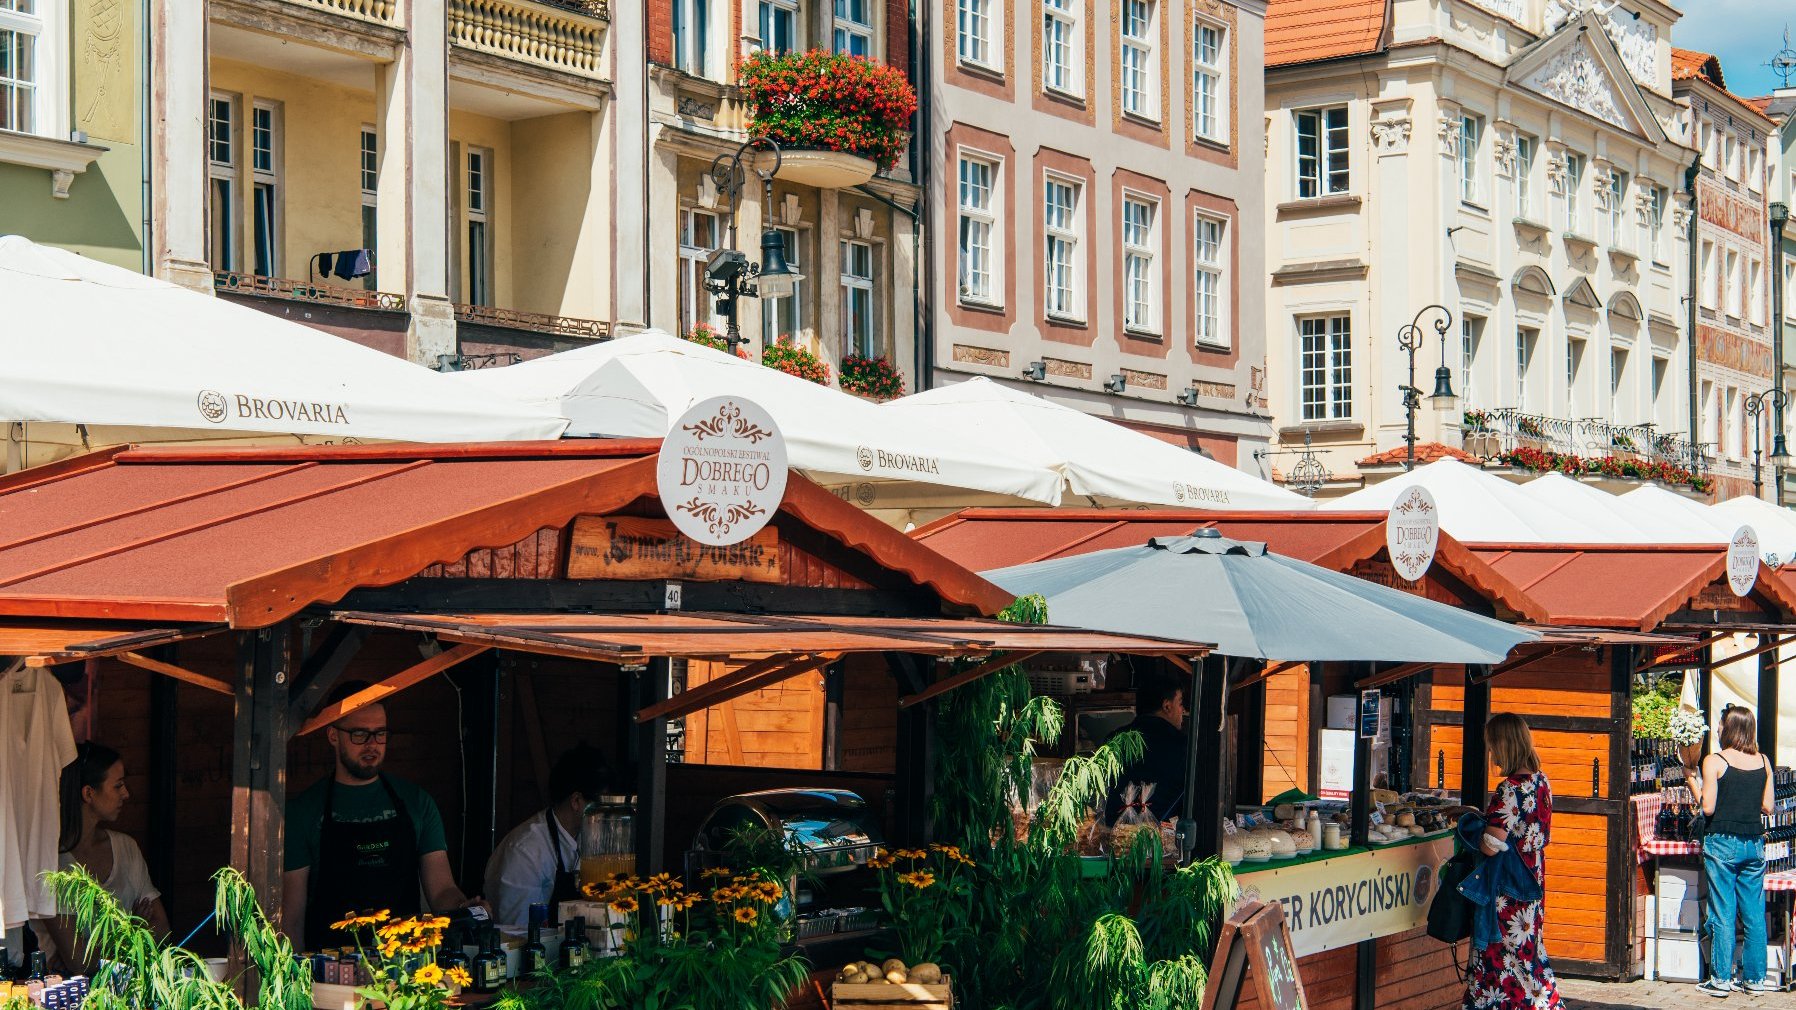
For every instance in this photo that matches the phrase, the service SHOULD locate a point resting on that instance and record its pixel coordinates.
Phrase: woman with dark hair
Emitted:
(1736, 788)
(93, 796)
(1514, 972)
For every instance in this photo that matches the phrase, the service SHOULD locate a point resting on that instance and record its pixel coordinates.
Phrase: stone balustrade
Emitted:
(566, 36)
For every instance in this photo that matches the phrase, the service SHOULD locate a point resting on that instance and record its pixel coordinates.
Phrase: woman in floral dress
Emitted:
(1515, 973)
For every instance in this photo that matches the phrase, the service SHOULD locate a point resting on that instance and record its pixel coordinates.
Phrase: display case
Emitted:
(831, 834)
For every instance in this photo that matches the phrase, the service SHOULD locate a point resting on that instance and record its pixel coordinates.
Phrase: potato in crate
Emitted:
(891, 986)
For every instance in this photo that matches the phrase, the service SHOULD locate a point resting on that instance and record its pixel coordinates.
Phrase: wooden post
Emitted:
(914, 787)
(649, 686)
(259, 761)
(165, 735)
(834, 687)
(1618, 945)
(1768, 700)
(1474, 779)
(1365, 989)
(1250, 771)
(1208, 744)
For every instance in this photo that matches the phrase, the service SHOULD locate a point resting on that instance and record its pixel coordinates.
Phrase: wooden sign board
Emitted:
(1255, 940)
(628, 547)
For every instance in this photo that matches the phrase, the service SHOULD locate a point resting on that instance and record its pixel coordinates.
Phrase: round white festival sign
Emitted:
(1412, 531)
(722, 471)
(1743, 560)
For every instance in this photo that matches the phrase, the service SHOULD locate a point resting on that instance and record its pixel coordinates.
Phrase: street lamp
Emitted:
(728, 273)
(1780, 454)
(1409, 338)
(1780, 216)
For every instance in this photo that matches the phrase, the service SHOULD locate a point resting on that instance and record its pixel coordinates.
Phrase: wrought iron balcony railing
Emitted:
(1490, 434)
(306, 291)
(534, 322)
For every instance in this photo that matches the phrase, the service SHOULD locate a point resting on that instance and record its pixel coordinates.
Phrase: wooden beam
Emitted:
(1772, 646)
(259, 767)
(666, 706)
(392, 685)
(321, 669)
(179, 673)
(1689, 650)
(688, 703)
(539, 751)
(1264, 672)
(1396, 673)
(953, 681)
(1523, 662)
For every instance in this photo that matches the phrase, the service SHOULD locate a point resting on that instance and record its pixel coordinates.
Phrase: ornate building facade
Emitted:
(1518, 163)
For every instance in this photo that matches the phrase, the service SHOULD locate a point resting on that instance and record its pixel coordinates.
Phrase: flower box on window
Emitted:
(874, 378)
(792, 358)
(837, 118)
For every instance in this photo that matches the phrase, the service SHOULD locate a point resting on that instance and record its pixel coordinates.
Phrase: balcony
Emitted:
(1588, 447)
(560, 35)
(378, 11)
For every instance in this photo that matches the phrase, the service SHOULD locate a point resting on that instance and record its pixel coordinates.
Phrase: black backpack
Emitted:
(1450, 913)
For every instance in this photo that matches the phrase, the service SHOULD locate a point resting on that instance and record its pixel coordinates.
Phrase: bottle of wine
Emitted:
(489, 966)
(535, 957)
(573, 944)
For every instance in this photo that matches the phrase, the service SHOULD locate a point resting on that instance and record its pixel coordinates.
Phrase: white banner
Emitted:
(1335, 902)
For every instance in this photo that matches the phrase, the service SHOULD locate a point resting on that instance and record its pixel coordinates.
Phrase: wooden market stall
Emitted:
(525, 597)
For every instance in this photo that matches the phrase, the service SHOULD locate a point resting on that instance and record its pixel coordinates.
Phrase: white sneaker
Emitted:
(1715, 987)
(1762, 987)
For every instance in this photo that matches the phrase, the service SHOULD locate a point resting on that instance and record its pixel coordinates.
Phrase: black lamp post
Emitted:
(1780, 454)
(1780, 216)
(1409, 338)
(728, 273)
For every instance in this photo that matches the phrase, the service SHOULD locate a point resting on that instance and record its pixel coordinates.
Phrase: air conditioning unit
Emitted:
(1062, 681)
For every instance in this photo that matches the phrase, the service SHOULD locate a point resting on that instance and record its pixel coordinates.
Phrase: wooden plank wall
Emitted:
(1285, 755)
(867, 735)
(1415, 972)
(780, 726)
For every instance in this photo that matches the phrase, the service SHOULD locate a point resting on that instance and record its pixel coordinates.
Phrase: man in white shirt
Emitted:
(539, 860)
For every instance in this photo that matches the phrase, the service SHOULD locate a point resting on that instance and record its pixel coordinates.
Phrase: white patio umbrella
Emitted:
(1102, 462)
(1616, 519)
(1675, 508)
(93, 354)
(637, 386)
(1475, 507)
(1775, 526)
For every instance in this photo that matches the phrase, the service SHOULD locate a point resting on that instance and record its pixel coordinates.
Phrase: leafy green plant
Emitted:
(873, 377)
(1654, 706)
(828, 102)
(925, 892)
(148, 973)
(401, 959)
(793, 358)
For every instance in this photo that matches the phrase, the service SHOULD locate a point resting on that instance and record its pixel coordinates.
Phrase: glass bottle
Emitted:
(607, 839)
(534, 957)
(489, 966)
(573, 944)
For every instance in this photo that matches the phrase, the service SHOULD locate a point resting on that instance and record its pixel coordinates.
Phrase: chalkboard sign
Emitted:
(1255, 941)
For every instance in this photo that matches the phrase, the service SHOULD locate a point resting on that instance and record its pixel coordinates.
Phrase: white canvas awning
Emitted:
(637, 386)
(1775, 526)
(1102, 462)
(1476, 507)
(1616, 518)
(131, 358)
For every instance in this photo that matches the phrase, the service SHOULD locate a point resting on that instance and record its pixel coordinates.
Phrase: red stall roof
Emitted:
(987, 538)
(251, 536)
(1630, 586)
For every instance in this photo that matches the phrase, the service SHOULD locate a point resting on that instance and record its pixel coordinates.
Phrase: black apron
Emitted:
(567, 881)
(364, 866)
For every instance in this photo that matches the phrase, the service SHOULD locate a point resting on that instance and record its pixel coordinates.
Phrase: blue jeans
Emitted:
(1735, 868)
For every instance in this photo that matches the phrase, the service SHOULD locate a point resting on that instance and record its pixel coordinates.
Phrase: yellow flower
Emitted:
(624, 905)
(659, 882)
(430, 974)
(386, 913)
(911, 854)
(716, 872)
(746, 914)
(882, 860)
(458, 976)
(389, 948)
(685, 902)
(921, 879)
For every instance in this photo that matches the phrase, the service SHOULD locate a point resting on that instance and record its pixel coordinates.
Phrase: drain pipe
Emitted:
(921, 159)
(917, 287)
(1690, 175)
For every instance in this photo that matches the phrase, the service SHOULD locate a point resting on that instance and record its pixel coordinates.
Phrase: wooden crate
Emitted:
(903, 996)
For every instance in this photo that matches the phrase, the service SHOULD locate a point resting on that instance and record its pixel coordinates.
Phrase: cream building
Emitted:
(464, 144)
(1518, 162)
(1095, 207)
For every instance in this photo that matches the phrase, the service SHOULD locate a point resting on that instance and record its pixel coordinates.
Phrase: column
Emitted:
(415, 176)
(178, 97)
(1390, 270)
(624, 136)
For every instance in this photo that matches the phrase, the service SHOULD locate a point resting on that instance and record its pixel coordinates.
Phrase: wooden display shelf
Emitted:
(902, 996)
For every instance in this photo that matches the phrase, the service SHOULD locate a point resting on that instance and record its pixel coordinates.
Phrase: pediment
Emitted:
(1579, 67)
(1583, 295)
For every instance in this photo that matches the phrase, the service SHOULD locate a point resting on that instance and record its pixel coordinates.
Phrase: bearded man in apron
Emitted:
(539, 860)
(362, 840)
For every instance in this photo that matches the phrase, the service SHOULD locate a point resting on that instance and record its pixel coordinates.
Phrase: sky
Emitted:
(1744, 33)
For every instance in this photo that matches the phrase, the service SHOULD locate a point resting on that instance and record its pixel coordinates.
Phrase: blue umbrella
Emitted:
(1255, 604)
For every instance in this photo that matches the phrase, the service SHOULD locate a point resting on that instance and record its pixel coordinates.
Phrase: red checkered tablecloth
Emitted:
(1785, 881)
(1646, 819)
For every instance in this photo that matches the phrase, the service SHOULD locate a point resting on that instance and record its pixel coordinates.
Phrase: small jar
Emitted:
(1331, 836)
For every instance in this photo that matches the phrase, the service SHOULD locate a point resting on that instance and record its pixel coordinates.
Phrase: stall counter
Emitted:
(1341, 897)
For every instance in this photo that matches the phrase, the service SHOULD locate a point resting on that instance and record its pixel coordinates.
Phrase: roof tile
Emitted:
(1302, 31)
(1426, 452)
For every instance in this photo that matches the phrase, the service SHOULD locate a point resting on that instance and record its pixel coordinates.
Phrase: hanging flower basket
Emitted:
(702, 333)
(874, 378)
(819, 101)
(787, 356)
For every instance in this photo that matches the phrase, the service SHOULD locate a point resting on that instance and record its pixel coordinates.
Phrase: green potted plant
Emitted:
(819, 101)
(871, 377)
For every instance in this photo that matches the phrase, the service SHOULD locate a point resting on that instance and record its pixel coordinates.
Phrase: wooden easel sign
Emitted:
(1255, 940)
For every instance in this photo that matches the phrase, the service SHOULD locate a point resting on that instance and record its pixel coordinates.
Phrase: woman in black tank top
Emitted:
(1736, 790)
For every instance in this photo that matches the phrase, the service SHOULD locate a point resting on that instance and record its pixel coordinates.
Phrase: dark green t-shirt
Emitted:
(305, 815)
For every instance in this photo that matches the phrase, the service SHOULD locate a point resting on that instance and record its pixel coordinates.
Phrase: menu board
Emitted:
(1256, 944)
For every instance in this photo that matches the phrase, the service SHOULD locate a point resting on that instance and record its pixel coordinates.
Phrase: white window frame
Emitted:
(1141, 262)
(1574, 364)
(1618, 208)
(42, 88)
(1063, 35)
(1755, 292)
(1210, 255)
(478, 166)
(1575, 171)
(693, 258)
(1471, 138)
(692, 29)
(1063, 248)
(1139, 60)
(1210, 80)
(1471, 334)
(975, 24)
(1656, 383)
(1709, 277)
(370, 179)
(1658, 201)
(772, 326)
(1527, 339)
(1733, 284)
(1526, 148)
(1325, 367)
(1332, 160)
(266, 210)
(851, 36)
(858, 288)
(971, 219)
(223, 210)
(768, 14)
(1618, 370)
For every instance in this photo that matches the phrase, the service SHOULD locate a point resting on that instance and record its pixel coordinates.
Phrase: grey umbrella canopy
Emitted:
(1255, 604)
